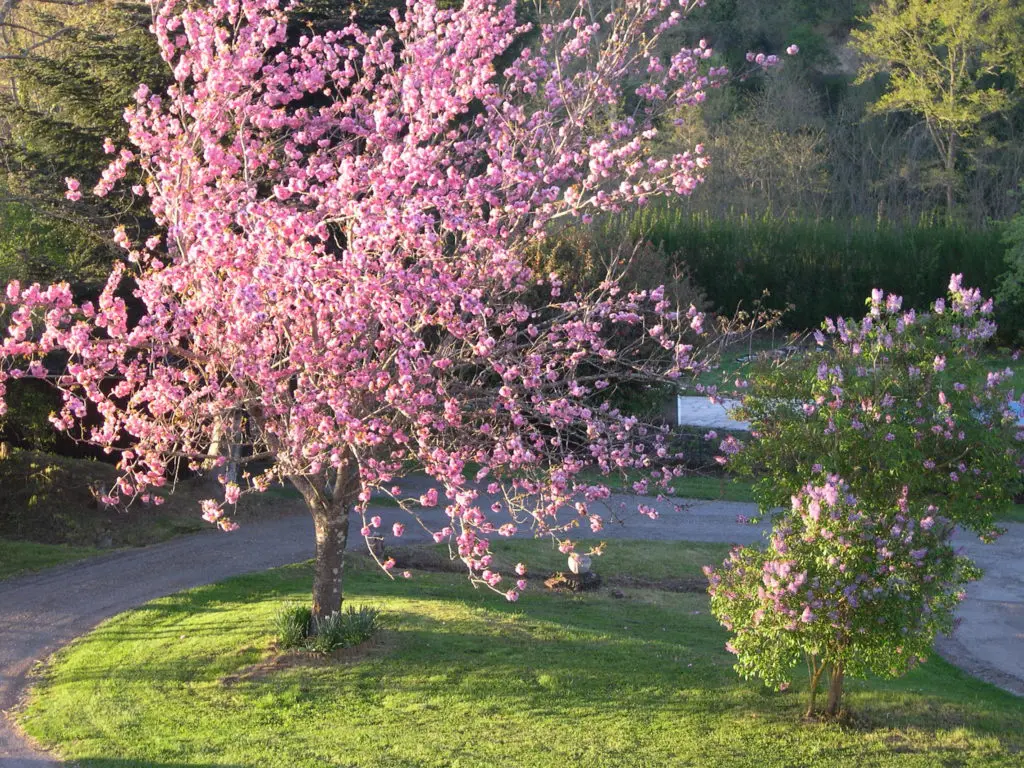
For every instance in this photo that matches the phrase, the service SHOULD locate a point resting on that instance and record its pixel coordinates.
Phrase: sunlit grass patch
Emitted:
(625, 677)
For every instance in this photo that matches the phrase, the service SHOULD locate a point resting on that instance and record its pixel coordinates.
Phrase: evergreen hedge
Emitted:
(820, 268)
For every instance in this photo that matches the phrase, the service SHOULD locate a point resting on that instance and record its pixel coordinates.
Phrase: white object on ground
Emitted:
(579, 564)
(701, 412)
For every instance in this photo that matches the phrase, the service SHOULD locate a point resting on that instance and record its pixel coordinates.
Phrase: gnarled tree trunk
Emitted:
(329, 508)
(835, 690)
(814, 670)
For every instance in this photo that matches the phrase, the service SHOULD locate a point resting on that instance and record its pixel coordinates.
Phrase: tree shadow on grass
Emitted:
(106, 762)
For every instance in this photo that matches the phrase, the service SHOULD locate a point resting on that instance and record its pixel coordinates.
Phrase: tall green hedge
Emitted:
(821, 268)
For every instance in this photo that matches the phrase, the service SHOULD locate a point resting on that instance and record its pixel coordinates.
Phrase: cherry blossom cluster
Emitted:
(341, 293)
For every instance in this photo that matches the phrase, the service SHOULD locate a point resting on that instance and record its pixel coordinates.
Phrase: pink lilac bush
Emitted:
(341, 288)
(870, 450)
(851, 590)
(899, 398)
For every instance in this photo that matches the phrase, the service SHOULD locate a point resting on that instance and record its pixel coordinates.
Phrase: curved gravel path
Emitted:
(42, 612)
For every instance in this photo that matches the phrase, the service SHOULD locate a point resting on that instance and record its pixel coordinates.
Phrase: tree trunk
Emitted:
(331, 524)
(835, 690)
(950, 169)
(815, 676)
(329, 508)
(225, 441)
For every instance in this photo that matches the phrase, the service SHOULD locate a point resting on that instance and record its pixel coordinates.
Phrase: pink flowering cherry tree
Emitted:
(341, 290)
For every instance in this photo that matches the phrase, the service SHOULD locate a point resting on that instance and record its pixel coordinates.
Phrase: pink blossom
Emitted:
(419, 342)
(72, 194)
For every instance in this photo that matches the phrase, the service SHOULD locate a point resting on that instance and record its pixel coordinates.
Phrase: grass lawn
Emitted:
(1015, 514)
(712, 487)
(461, 678)
(734, 359)
(17, 557)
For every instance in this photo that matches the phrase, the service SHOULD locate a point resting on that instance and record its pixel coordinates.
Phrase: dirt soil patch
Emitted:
(277, 660)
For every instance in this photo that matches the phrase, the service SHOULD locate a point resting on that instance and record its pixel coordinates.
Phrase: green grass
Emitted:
(1015, 514)
(732, 362)
(711, 487)
(725, 488)
(18, 557)
(722, 488)
(460, 678)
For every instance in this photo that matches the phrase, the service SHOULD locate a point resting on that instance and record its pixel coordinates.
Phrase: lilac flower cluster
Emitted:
(904, 435)
(867, 589)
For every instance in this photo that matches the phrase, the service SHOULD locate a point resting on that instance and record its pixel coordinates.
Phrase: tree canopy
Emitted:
(342, 284)
(952, 62)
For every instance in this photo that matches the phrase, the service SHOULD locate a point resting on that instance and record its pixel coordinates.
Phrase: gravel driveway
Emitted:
(40, 613)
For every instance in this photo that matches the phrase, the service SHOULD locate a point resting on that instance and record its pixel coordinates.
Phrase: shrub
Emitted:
(817, 267)
(292, 626)
(344, 629)
(898, 399)
(853, 591)
(859, 574)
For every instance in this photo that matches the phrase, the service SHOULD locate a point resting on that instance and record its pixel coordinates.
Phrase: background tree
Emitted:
(67, 72)
(1011, 288)
(952, 63)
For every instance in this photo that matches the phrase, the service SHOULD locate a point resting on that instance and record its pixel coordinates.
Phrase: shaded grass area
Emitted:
(622, 561)
(727, 488)
(17, 557)
(52, 499)
(462, 678)
(738, 357)
(1015, 514)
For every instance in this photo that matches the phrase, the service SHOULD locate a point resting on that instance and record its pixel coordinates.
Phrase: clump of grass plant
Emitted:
(296, 629)
(291, 625)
